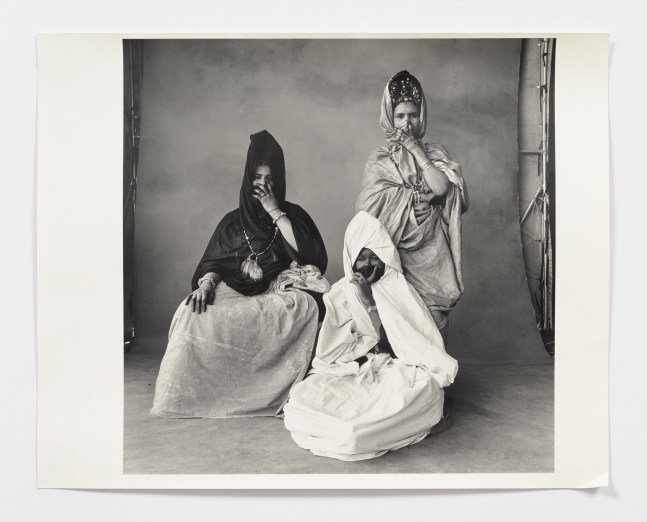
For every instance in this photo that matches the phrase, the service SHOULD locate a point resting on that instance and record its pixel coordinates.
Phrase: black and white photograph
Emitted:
(324, 261)
(339, 255)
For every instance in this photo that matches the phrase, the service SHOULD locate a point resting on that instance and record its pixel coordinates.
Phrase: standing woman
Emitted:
(419, 195)
(246, 332)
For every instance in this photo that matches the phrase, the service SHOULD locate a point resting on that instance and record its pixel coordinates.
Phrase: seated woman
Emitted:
(370, 393)
(419, 195)
(246, 333)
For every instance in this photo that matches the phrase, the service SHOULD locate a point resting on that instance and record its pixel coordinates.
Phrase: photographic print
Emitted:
(311, 262)
(229, 372)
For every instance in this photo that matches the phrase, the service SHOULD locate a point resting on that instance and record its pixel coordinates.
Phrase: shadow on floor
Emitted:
(503, 423)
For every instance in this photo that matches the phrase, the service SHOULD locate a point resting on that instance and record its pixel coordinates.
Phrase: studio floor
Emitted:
(503, 423)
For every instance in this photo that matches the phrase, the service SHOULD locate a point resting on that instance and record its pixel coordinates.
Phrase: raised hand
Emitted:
(405, 137)
(265, 194)
(364, 290)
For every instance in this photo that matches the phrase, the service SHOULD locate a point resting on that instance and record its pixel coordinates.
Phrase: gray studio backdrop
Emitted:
(321, 99)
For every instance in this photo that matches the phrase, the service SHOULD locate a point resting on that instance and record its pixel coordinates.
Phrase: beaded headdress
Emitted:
(404, 87)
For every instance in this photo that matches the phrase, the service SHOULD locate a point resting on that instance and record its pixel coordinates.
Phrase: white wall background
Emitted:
(21, 21)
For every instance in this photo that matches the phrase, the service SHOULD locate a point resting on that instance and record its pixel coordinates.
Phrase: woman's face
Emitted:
(406, 116)
(369, 265)
(262, 175)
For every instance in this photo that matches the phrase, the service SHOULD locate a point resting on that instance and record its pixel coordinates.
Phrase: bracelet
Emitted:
(426, 165)
(278, 217)
(408, 142)
(370, 309)
(207, 278)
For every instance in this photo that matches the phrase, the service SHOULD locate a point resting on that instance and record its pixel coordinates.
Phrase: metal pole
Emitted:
(544, 161)
(533, 202)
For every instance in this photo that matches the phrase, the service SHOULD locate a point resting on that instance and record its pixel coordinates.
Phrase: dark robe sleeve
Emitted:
(220, 254)
(312, 250)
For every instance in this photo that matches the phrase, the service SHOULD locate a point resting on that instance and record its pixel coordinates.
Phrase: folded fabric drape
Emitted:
(350, 411)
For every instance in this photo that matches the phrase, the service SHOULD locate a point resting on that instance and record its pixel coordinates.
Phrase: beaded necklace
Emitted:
(250, 266)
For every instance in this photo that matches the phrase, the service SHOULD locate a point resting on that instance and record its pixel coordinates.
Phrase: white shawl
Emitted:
(347, 332)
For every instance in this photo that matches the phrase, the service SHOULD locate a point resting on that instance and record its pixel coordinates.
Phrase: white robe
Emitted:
(350, 412)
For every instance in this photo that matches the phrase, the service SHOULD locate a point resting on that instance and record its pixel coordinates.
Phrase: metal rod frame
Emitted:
(541, 196)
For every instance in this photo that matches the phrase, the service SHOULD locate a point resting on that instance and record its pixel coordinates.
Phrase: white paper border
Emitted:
(79, 289)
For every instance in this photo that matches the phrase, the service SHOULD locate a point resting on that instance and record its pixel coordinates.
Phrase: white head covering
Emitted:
(411, 330)
(364, 231)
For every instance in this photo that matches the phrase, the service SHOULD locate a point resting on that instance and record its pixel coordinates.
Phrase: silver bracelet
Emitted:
(278, 217)
(207, 278)
(370, 309)
(408, 142)
(426, 165)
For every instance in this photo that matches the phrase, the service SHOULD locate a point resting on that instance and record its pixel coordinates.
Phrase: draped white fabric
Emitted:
(352, 412)
(241, 356)
(411, 330)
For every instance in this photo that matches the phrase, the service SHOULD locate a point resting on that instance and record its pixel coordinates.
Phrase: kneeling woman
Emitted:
(246, 333)
(369, 392)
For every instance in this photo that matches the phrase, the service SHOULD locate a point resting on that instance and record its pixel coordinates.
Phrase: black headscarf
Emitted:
(263, 148)
(228, 246)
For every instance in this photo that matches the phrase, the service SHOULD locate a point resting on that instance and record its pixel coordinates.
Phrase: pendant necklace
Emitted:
(250, 266)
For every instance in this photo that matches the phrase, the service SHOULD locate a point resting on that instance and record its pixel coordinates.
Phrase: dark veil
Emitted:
(265, 148)
(228, 246)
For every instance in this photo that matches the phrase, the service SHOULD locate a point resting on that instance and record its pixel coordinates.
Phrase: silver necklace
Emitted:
(250, 266)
